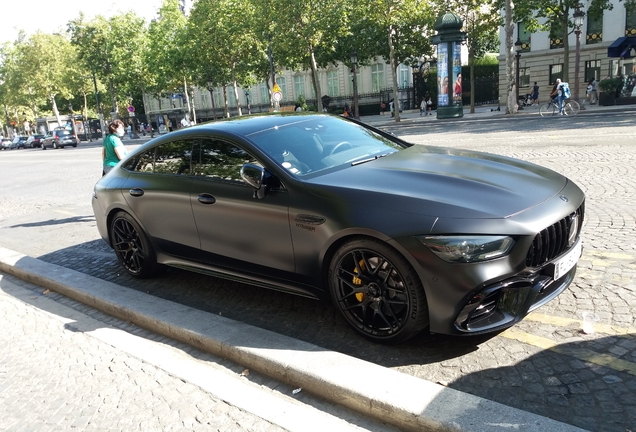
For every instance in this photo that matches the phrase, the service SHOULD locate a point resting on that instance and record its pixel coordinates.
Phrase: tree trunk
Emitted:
(471, 63)
(187, 97)
(235, 90)
(227, 105)
(396, 96)
(315, 79)
(56, 112)
(511, 102)
(566, 46)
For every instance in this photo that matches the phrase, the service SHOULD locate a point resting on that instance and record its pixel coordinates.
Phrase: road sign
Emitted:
(277, 96)
(276, 88)
(131, 109)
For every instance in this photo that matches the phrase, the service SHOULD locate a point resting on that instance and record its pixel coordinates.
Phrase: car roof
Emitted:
(247, 125)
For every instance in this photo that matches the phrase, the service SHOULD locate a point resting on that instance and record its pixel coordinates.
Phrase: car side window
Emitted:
(174, 157)
(220, 159)
(143, 162)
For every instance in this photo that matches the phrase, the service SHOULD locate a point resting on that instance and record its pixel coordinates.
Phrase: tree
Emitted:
(222, 39)
(509, 26)
(557, 15)
(304, 34)
(111, 49)
(398, 30)
(40, 70)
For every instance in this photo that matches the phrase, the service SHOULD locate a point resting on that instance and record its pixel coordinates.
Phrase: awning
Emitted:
(622, 47)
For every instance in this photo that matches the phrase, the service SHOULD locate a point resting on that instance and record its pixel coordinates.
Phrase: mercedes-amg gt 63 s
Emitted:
(400, 237)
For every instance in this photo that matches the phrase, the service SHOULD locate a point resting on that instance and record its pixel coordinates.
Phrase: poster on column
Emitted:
(442, 74)
(457, 73)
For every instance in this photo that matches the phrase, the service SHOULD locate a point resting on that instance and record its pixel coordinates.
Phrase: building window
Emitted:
(333, 84)
(299, 86)
(218, 97)
(524, 36)
(283, 86)
(594, 32)
(231, 97)
(404, 72)
(264, 93)
(524, 77)
(556, 36)
(622, 67)
(205, 100)
(592, 70)
(556, 71)
(630, 21)
(377, 77)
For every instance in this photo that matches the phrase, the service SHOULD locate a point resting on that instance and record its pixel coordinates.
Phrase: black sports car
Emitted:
(400, 237)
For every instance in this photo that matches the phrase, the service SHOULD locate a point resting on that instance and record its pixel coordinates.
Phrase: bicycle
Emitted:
(570, 107)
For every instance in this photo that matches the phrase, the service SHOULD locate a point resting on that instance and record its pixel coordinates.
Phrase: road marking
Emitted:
(566, 322)
(572, 351)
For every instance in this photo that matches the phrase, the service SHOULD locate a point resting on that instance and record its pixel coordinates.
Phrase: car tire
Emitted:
(377, 291)
(132, 247)
(74, 145)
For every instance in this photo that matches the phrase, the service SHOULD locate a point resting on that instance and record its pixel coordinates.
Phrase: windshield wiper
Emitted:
(369, 159)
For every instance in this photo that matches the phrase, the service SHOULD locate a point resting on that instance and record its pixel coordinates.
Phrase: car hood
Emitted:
(443, 182)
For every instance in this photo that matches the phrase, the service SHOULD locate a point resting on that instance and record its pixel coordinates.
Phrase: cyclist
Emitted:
(557, 95)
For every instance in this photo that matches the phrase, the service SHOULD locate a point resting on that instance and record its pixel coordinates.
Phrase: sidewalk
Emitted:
(404, 401)
(485, 112)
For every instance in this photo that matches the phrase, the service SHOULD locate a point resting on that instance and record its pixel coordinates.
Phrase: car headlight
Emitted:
(468, 249)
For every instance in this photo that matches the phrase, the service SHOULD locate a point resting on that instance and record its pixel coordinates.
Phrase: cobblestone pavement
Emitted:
(543, 365)
(65, 366)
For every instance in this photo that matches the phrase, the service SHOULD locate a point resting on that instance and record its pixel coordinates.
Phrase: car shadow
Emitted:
(53, 222)
(313, 321)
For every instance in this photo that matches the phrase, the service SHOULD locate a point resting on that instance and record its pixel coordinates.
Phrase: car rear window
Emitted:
(61, 133)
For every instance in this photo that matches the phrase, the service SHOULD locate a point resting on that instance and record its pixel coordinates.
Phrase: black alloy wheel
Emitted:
(377, 291)
(132, 247)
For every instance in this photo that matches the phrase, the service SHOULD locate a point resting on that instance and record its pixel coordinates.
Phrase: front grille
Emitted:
(553, 241)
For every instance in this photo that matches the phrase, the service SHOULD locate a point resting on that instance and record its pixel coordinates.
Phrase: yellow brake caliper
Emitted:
(357, 281)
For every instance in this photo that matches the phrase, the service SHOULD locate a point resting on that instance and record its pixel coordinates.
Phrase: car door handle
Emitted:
(206, 199)
(136, 192)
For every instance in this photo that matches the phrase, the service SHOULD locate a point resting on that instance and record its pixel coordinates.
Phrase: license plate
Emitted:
(569, 260)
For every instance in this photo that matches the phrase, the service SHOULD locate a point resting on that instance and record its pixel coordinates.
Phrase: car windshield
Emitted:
(315, 144)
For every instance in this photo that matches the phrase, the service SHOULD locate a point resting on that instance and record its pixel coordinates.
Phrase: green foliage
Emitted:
(609, 85)
(302, 102)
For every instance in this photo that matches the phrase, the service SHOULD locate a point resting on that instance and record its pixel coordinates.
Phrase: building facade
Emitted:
(605, 51)
(374, 85)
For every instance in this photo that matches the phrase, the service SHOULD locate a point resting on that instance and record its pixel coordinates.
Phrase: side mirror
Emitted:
(256, 177)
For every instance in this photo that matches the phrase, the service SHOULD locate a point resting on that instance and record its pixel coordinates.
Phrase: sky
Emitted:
(52, 16)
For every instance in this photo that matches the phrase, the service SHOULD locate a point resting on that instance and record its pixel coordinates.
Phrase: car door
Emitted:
(158, 192)
(231, 221)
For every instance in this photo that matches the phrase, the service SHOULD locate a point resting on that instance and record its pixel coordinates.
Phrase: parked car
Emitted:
(400, 237)
(59, 139)
(34, 141)
(7, 143)
(20, 141)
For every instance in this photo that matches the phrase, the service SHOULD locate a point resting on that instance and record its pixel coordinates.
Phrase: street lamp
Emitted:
(578, 22)
(518, 46)
(354, 63)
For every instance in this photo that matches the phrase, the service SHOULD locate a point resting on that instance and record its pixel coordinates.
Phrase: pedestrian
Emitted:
(130, 132)
(593, 94)
(382, 107)
(423, 107)
(392, 107)
(535, 94)
(113, 149)
(429, 103)
(346, 112)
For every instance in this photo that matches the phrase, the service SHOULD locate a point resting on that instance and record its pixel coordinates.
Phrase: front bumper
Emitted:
(505, 303)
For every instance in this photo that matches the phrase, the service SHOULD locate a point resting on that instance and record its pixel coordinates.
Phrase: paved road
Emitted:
(544, 365)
